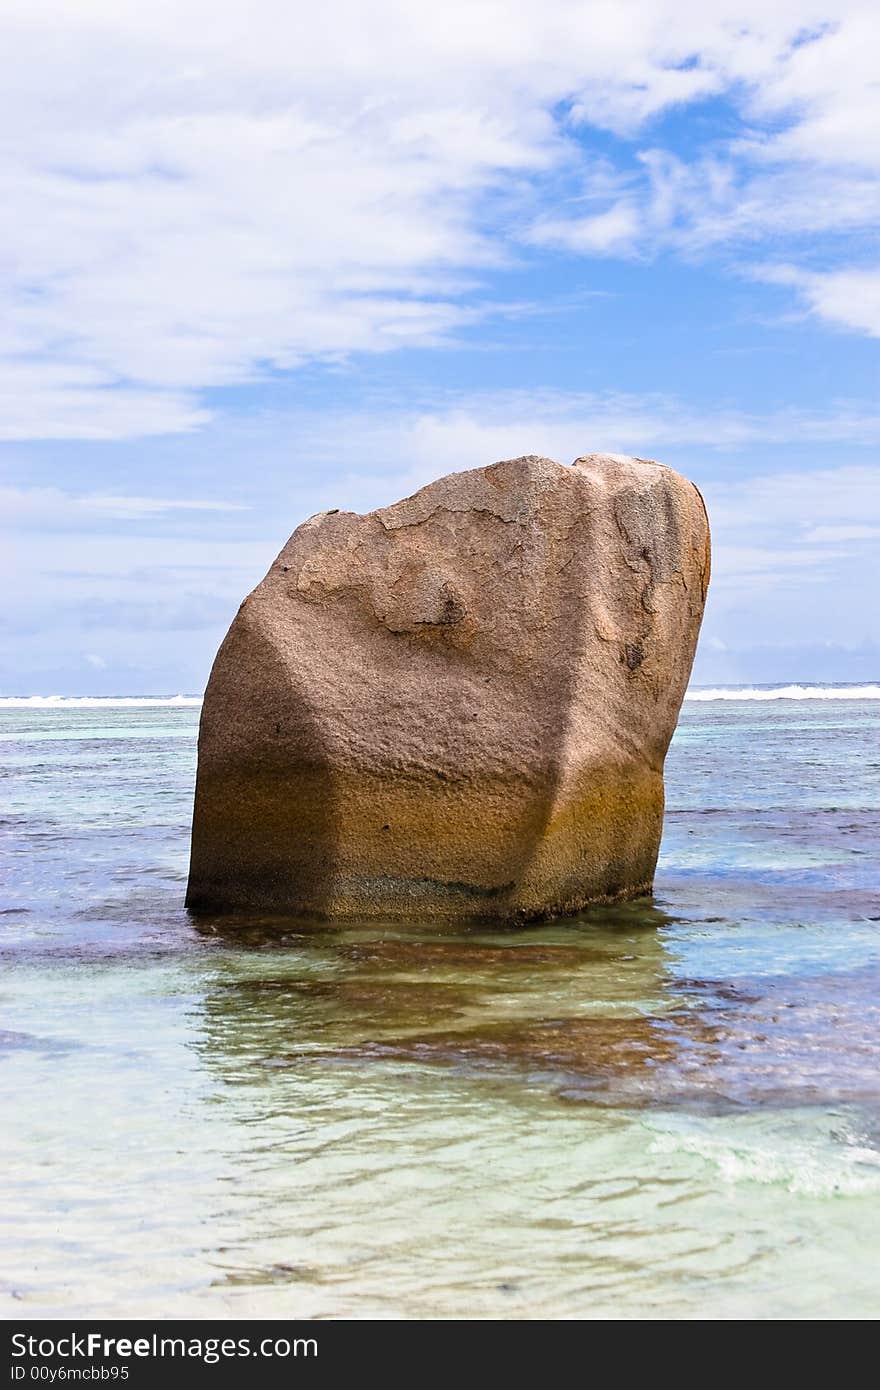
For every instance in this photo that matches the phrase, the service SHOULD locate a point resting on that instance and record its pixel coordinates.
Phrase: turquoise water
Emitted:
(668, 1109)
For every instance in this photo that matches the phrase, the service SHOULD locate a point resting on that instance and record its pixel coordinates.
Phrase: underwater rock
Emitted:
(457, 706)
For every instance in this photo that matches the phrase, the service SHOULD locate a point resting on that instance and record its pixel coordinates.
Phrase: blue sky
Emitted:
(258, 261)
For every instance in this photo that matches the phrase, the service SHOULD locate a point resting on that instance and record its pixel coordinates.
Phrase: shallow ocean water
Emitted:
(669, 1109)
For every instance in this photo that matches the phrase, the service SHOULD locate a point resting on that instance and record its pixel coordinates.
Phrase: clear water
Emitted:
(670, 1109)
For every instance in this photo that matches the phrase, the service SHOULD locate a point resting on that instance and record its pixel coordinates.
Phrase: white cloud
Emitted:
(794, 554)
(48, 508)
(792, 549)
(804, 160)
(150, 584)
(376, 457)
(200, 193)
(810, 504)
(848, 298)
(364, 459)
(610, 232)
(66, 399)
(740, 194)
(843, 533)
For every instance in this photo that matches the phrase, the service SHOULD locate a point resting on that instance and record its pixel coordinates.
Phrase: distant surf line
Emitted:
(784, 692)
(705, 694)
(99, 701)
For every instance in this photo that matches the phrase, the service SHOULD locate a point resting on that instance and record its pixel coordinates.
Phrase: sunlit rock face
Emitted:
(458, 706)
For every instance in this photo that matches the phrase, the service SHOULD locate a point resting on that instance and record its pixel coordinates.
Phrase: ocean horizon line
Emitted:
(803, 690)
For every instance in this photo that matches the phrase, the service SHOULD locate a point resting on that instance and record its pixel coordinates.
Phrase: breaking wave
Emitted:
(785, 692)
(698, 693)
(780, 1152)
(96, 701)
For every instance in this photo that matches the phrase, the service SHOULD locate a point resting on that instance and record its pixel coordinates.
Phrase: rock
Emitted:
(457, 706)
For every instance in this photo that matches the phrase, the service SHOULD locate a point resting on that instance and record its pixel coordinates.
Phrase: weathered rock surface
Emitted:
(457, 706)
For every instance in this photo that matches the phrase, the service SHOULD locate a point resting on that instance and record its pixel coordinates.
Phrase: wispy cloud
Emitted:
(853, 532)
(48, 508)
(792, 547)
(278, 199)
(378, 456)
(197, 200)
(812, 504)
(149, 586)
(802, 160)
(57, 397)
(848, 298)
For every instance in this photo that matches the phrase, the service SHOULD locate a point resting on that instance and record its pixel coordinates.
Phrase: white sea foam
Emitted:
(97, 701)
(697, 693)
(812, 1165)
(785, 692)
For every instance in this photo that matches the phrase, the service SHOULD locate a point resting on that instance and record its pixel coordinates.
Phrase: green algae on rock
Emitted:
(458, 706)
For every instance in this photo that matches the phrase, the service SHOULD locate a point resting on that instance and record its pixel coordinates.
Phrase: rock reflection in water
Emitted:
(594, 1009)
(593, 997)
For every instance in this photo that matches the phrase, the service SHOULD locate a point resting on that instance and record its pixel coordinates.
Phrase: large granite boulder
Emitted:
(457, 706)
